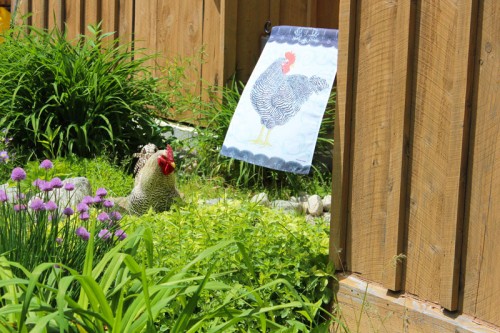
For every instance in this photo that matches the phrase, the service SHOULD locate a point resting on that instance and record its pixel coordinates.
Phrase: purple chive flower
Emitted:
(59, 240)
(56, 182)
(68, 211)
(46, 164)
(108, 203)
(37, 204)
(82, 207)
(104, 234)
(50, 206)
(88, 200)
(3, 196)
(97, 199)
(120, 234)
(18, 174)
(101, 192)
(20, 196)
(82, 233)
(18, 207)
(103, 217)
(4, 156)
(69, 186)
(115, 216)
(37, 182)
(45, 186)
(84, 216)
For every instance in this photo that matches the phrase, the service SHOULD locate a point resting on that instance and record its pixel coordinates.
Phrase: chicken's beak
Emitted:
(172, 164)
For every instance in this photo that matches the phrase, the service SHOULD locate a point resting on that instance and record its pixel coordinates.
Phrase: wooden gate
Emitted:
(417, 163)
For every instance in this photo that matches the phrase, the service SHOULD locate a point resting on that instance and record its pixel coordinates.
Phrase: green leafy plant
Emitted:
(274, 247)
(89, 95)
(122, 294)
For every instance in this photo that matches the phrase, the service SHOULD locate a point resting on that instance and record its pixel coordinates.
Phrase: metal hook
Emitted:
(267, 27)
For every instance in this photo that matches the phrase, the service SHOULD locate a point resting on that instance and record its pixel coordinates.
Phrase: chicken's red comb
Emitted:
(170, 152)
(290, 56)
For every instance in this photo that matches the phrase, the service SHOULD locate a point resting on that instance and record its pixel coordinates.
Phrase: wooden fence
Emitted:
(228, 31)
(416, 191)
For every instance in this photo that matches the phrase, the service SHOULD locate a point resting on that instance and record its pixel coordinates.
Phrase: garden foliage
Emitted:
(83, 96)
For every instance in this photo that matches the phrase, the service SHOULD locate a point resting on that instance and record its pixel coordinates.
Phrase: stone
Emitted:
(287, 206)
(327, 203)
(261, 199)
(82, 189)
(327, 217)
(315, 205)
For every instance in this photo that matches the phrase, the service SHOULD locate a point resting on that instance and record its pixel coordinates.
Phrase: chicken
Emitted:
(154, 185)
(277, 96)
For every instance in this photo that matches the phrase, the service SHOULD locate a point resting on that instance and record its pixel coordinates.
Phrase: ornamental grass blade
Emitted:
(183, 321)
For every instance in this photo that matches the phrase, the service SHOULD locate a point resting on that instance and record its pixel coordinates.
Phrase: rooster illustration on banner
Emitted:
(277, 120)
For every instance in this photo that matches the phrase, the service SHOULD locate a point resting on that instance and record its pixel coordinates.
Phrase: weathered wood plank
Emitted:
(312, 13)
(328, 14)
(482, 247)
(74, 18)
(213, 43)
(230, 39)
(125, 19)
(439, 149)
(110, 16)
(180, 34)
(294, 12)
(92, 9)
(39, 13)
(250, 29)
(342, 134)
(380, 133)
(368, 307)
(55, 15)
(145, 26)
(22, 8)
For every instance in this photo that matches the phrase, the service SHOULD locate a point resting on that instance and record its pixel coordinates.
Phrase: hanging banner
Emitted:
(277, 119)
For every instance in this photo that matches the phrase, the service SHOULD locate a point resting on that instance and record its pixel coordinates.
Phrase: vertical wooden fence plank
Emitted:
(180, 33)
(20, 8)
(92, 13)
(294, 12)
(74, 18)
(342, 133)
(110, 16)
(126, 20)
(328, 14)
(378, 158)
(213, 37)
(312, 13)
(55, 15)
(39, 13)
(274, 11)
(482, 248)
(230, 38)
(250, 28)
(439, 149)
(145, 26)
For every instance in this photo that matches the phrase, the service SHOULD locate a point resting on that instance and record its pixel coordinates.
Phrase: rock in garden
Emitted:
(315, 205)
(82, 189)
(287, 206)
(327, 217)
(261, 199)
(327, 203)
